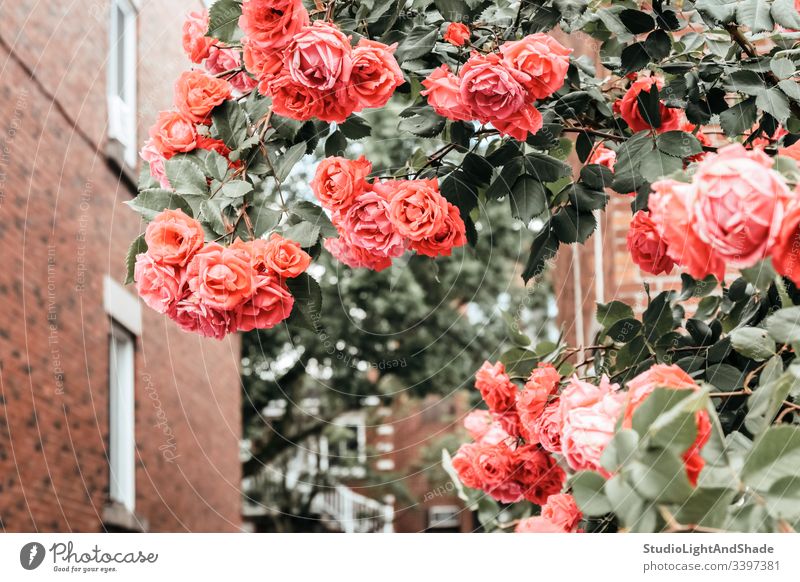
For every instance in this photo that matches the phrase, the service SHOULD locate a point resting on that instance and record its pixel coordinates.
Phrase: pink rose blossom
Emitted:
(457, 34)
(339, 181)
(263, 63)
(195, 42)
(375, 74)
(538, 473)
(194, 316)
(603, 156)
(646, 247)
(562, 510)
(490, 90)
(628, 106)
(416, 208)
(222, 278)
(152, 156)
(272, 23)
(546, 429)
(270, 304)
(442, 89)
(226, 59)
(588, 429)
(537, 524)
(532, 400)
(740, 204)
(319, 57)
(366, 224)
(526, 120)
(173, 238)
(452, 234)
(477, 423)
(356, 257)
(159, 285)
(496, 387)
(541, 59)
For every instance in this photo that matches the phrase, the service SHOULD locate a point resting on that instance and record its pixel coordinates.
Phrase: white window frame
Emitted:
(122, 118)
(444, 516)
(121, 416)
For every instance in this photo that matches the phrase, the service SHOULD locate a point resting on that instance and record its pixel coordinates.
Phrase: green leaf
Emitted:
(785, 13)
(315, 215)
(543, 248)
(649, 105)
(236, 189)
(765, 402)
(422, 122)
(216, 166)
(519, 362)
(587, 489)
(264, 219)
(755, 14)
(185, 176)
(570, 226)
(679, 144)
(303, 233)
(656, 165)
(774, 102)
(753, 343)
(775, 455)
(355, 127)
(620, 451)
(452, 10)
(419, 42)
(501, 186)
(230, 123)
(335, 144)
(307, 298)
(705, 507)
(675, 431)
(783, 499)
(223, 19)
(747, 82)
(610, 313)
(528, 198)
(634, 58)
(784, 325)
(283, 164)
(636, 21)
(660, 476)
(739, 118)
(461, 191)
(546, 168)
(137, 247)
(782, 67)
(150, 203)
(719, 10)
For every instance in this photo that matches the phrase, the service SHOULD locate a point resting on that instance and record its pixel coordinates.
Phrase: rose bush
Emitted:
(677, 417)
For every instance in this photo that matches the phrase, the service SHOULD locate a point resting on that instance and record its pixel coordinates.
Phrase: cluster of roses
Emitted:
(214, 290)
(310, 69)
(185, 128)
(520, 441)
(500, 88)
(377, 221)
(736, 211)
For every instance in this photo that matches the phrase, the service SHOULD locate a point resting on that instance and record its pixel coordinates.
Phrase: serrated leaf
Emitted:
(784, 12)
(528, 198)
(419, 42)
(315, 215)
(678, 143)
(570, 226)
(755, 14)
(284, 163)
(150, 203)
(137, 247)
(739, 118)
(223, 20)
(774, 102)
(753, 343)
(303, 233)
(543, 248)
(546, 168)
(355, 127)
(185, 176)
(236, 188)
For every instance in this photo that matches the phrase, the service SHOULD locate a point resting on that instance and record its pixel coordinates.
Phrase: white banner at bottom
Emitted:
(422, 557)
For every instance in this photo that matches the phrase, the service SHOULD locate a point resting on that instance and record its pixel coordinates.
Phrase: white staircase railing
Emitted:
(352, 512)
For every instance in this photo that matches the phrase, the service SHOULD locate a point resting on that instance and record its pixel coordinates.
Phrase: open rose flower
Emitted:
(526, 120)
(319, 57)
(628, 106)
(173, 238)
(366, 224)
(270, 304)
(443, 91)
(195, 316)
(546, 429)
(477, 423)
(222, 278)
(490, 90)
(374, 74)
(173, 133)
(538, 473)
(152, 156)
(496, 387)
(672, 211)
(416, 208)
(263, 63)
(291, 99)
(538, 524)
(562, 510)
(354, 256)
(532, 400)
(339, 181)
(646, 247)
(603, 156)
(284, 257)
(541, 59)
(740, 204)
(452, 234)
(457, 34)
(197, 93)
(272, 23)
(159, 285)
(195, 42)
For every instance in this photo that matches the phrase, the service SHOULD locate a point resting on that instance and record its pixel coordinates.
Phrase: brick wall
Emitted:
(63, 227)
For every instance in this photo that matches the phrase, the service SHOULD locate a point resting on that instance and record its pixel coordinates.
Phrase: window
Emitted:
(122, 460)
(122, 78)
(443, 516)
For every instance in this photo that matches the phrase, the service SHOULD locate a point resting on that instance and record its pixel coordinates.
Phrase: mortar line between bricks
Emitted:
(51, 97)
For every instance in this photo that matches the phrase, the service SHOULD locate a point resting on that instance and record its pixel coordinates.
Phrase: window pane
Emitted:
(121, 417)
(120, 49)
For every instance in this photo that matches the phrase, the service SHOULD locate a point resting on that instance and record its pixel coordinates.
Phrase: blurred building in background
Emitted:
(110, 417)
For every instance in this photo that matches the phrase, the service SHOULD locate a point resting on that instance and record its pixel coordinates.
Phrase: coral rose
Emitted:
(786, 250)
(366, 224)
(160, 286)
(457, 34)
(375, 74)
(496, 387)
(587, 430)
(646, 247)
(270, 304)
(452, 234)
(264, 64)
(603, 156)
(173, 133)
(671, 119)
(173, 238)
(546, 430)
(319, 57)
(579, 393)
(526, 120)
(272, 23)
(493, 465)
(195, 316)
(541, 59)
(153, 157)
(222, 278)
(356, 257)
(792, 151)
(416, 208)
(226, 59)
(538, 473)
(442, 90)
(339, 181)
(195, 42)
(291, 99)
(533, 398)
(490, 90)
(672, 211)
(197, 93)
(284, 257)
(739, 204)
(537, 524)
(562, 510)
(477, 423)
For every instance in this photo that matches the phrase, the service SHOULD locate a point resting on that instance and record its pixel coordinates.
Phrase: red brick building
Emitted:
(110, 417)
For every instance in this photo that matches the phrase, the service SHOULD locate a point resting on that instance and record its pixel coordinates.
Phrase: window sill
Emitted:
(118, 518)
